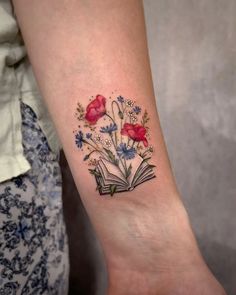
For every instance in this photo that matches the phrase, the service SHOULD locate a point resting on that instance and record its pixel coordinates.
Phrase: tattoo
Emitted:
(117, 148)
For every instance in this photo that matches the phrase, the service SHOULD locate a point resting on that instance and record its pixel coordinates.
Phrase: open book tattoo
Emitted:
(114, 134)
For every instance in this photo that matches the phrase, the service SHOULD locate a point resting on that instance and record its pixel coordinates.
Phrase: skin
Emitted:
(80, 48)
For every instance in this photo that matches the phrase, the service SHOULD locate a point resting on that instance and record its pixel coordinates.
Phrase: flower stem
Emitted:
(113, 122)
(121, 126)
(128, 141)
(110, 118)
(116, 105)
(124, 165)
(95, 148)
(119, 111)
(94, 142)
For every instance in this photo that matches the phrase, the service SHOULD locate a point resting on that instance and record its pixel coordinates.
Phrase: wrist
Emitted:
(197, 279)
(160, 256)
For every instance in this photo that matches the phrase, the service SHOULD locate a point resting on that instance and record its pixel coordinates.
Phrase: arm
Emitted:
(80, 49)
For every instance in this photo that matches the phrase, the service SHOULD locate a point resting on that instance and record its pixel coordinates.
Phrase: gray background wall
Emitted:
(193, 55)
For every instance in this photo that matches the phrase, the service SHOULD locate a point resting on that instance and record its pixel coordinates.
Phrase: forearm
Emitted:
(78, 52)
(79, 49)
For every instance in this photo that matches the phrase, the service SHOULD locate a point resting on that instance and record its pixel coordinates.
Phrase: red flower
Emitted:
(135, 132)
(96, 109)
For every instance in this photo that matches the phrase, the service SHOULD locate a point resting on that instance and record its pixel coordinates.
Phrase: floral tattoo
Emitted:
(119, 152)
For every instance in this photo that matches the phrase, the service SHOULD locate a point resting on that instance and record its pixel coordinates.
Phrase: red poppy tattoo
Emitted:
(96, 109)
(116, 138)
(135, 132)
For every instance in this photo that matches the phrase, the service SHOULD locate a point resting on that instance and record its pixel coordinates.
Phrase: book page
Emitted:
(148, 174)
(135, 163)
(143, 165)
(112, 172)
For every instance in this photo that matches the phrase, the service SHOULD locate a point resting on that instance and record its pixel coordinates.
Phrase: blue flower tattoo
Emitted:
(88, 135)
(126, 152)
(79, 139)
(109, 129)
(120, 99)
(136, 110)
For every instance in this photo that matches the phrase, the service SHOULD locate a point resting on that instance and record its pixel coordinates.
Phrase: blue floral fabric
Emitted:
(33, 241)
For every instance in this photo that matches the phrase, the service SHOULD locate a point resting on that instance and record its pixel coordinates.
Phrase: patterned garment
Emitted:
(33, 241)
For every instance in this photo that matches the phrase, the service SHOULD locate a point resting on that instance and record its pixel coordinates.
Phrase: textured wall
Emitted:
(193, 54)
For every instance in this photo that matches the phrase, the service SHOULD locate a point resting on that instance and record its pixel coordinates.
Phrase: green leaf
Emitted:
(98, 187)
(112, 189)
(110, 155)
(152, 166)
(129, 171)
(145, 118)
(94, 172)
(121, 115)
(86, 157)
(146, 159)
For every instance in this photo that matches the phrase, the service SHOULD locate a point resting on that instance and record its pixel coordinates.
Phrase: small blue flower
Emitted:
(79, 138)
(125, 152)
(22, 230)
(137, 110)
(88, 135)
(109, 129)
(120, 99)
